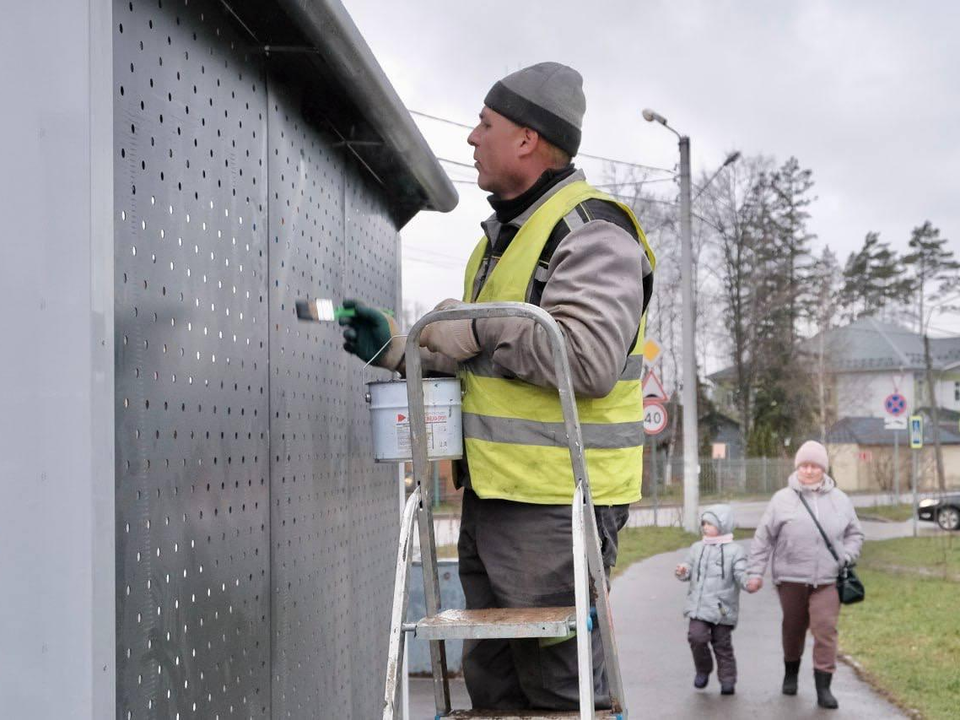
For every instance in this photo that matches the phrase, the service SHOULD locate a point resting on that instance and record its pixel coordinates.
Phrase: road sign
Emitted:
(895, 404)
(652, 387)
(654, 417)
(651, 350)
(895, 423)
(916, 432)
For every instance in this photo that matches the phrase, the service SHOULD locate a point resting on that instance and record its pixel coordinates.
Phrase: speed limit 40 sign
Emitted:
(654, 417)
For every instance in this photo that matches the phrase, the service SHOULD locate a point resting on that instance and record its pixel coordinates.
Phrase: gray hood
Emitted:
(826, 486)
(720, 516)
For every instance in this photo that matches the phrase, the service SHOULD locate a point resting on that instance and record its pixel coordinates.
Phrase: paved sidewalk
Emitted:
(658, 670)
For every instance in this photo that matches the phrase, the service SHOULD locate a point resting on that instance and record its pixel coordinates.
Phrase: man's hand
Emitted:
(754, 584)
(681, 571)
(368, 335)
(453, 338)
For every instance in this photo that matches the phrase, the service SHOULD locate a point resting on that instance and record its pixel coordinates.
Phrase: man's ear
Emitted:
(529, 142)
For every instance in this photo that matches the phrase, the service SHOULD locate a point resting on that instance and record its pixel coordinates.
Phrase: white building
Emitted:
(869, 360)
(864, 363)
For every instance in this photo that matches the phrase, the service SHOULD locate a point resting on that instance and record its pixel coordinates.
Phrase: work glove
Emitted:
(371, 335)
(453, 338)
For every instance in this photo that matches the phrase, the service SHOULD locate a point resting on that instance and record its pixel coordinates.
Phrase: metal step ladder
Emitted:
(548, 622)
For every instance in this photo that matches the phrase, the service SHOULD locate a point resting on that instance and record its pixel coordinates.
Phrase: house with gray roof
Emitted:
(868, 360)
(865, 362)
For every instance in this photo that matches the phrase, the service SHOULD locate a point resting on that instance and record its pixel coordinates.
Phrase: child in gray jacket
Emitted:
(716, 568)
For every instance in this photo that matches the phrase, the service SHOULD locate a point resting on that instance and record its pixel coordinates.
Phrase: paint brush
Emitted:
(323, 310)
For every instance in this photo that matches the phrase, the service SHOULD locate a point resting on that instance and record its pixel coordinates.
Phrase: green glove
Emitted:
(367, 332)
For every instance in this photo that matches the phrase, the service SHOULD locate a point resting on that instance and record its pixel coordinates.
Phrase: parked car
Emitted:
(944, 511)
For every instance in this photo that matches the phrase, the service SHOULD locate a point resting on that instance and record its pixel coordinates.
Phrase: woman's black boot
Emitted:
(825, 698)
(791, 669)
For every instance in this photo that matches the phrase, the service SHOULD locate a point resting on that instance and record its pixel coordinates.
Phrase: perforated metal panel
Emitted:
(191, 367)
(255, 536)
(334, 511)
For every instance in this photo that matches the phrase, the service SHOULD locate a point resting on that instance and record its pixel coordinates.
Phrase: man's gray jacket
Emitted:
(592, 288)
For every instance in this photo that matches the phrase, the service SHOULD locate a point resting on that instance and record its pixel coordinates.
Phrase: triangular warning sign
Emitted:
(652, 386)
(401, 418)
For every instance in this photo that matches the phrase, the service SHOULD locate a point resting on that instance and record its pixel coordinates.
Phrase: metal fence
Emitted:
(721, 477)
(663, 480)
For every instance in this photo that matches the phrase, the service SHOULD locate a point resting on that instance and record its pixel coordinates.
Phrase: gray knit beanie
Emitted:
(546, 97)
(812, 452)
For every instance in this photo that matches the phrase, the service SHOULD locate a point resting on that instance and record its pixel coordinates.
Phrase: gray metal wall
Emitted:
(56, 362)
(255, 536)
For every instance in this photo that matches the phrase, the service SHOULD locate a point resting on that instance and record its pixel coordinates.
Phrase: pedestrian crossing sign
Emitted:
(916, 432)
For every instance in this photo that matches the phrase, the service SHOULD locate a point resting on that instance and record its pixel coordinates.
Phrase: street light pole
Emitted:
(691, 441)
(691, 469)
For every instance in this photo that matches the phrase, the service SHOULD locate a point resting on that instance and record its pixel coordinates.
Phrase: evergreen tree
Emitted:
(783, 406)
(791, 187)
(873, 279)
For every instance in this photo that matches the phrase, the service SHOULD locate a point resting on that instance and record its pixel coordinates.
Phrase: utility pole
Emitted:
(691, 441)
(896, 466)
(691, 444)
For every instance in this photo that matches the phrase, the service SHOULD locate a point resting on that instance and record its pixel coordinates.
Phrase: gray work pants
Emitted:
(520, 555)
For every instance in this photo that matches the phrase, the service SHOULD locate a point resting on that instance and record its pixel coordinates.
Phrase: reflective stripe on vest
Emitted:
(516, 444)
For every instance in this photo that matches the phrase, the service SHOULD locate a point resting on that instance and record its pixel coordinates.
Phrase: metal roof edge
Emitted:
(328, 24)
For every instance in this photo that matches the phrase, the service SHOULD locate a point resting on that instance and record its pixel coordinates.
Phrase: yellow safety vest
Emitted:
(515, 441)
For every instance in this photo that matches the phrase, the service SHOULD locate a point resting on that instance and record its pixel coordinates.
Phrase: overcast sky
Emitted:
(866, 94)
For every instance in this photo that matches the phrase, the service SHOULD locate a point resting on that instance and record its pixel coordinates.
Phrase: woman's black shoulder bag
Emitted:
(849, 587)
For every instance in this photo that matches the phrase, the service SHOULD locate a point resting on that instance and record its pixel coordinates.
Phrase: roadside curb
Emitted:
(874, 682)
(875, 518)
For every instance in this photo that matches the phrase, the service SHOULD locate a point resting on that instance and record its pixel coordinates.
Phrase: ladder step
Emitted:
(528, 714)
(497, 623)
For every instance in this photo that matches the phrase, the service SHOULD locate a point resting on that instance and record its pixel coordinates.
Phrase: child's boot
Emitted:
(791, 669)
(700, 680)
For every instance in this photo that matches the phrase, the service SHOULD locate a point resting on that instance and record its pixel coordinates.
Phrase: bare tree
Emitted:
(730, 205)
(822, 311)
(935, 278)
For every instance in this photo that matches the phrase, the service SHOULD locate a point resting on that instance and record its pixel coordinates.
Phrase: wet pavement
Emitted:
(658, 669)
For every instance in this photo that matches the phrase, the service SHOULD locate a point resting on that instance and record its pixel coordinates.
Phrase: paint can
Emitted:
(390, 419)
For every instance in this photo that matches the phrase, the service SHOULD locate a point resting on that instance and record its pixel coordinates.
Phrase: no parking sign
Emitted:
(895, 404)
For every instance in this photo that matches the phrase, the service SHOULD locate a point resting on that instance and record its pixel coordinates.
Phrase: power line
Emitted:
(627, 163)
(582, 154)
(458, 163)
(432, 253)
(440, 119)
(633, 182)
(435, 263)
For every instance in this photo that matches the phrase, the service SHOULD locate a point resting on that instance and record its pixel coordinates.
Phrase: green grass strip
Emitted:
(906, 634)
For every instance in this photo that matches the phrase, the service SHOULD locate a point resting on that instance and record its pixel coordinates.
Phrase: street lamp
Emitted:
(731, 158)
(691, 469)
